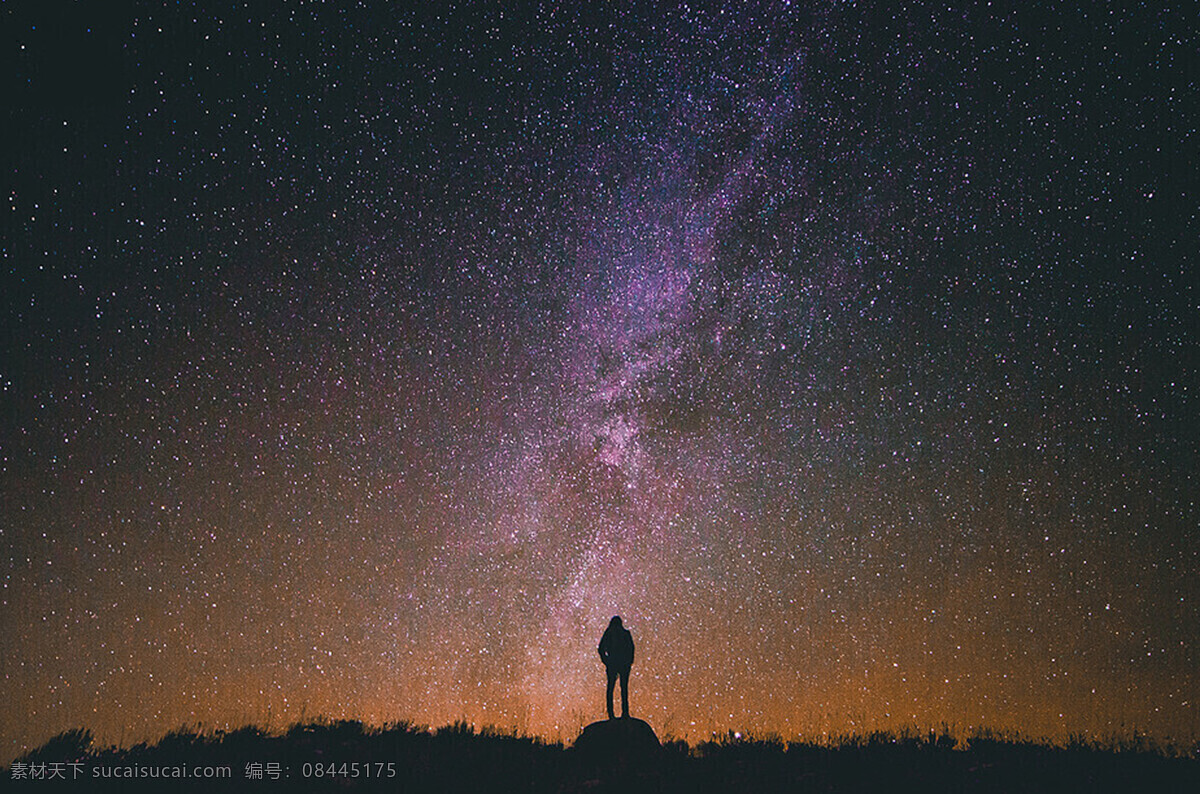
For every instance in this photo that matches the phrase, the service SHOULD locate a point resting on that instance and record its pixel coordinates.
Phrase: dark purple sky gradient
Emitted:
(364, 362)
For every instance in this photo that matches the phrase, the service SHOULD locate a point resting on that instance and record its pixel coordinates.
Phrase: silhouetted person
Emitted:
(616, 650)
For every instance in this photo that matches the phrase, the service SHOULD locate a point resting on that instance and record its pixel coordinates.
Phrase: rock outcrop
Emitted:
(618, 742)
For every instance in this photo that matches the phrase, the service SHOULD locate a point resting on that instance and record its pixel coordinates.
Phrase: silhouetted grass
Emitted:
(321, 756)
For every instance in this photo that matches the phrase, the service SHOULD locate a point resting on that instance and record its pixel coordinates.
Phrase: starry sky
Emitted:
(363, 359)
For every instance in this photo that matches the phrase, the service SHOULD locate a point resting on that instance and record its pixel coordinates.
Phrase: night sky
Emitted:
(363, 361)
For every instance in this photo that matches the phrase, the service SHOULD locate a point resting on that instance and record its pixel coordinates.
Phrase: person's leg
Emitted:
(612, 680)
(625, 692)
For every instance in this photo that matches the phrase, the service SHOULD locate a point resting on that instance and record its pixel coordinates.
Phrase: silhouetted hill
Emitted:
(347, 756)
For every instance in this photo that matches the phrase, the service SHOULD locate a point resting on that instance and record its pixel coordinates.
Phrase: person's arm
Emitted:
(631, 648)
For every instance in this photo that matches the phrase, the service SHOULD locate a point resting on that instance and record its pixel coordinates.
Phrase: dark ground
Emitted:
(347, 756)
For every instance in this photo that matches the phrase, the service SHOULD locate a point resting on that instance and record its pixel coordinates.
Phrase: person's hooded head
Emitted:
(615, 623)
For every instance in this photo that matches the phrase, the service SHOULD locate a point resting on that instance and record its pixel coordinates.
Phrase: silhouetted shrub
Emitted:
(458, 757)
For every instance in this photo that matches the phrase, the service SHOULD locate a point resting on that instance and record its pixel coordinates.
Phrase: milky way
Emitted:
(363, 363)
